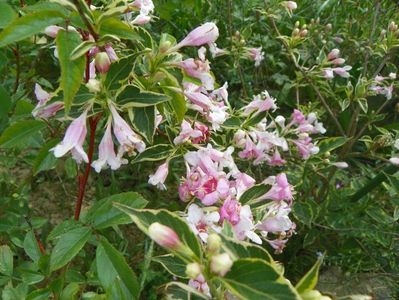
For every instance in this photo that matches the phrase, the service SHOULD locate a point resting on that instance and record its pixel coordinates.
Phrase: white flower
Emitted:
(200, 222)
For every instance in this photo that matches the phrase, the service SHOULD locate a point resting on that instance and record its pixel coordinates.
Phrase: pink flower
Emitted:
(164, 236)
(141, 20)
(277, 244)
(328, 73)
(276, 159)
(126, 137)
(106, 153)
(230, 211)
(242, 183)
(245, 227)
(260, 103)
(334, 53)
(74, 139)
(298, 117)
(343, 72)
(204, 34)
(277, 219)
(145, 6)
(256, 55)
(305, 146)
(47, 111)
(160, 175)
(41, 95)
(41, 110)
(111, 53)
(199, 69)
(186, 133)
(200, 285)
(280, 190)
(200, 222)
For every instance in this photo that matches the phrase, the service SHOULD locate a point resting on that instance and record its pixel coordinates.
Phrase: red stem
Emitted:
(82, 180)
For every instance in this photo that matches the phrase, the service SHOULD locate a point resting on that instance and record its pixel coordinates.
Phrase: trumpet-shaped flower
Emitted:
(204, 34)
(126, 137)
(106, 153)
(159, 177)
(74, 139)
(200, 222)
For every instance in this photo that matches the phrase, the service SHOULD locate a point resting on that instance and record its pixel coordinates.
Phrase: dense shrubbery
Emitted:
(253, 141)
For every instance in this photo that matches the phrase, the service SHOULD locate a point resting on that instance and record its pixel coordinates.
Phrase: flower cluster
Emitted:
(334, 59)
(264, 142)
(383, 85)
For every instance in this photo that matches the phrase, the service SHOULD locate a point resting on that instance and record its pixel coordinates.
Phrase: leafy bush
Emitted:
(253, 141)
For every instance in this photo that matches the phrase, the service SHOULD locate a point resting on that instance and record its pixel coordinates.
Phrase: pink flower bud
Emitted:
(334, 53)
(102, 62)
(164, 236)
(221, 264)
(159, 177)
(338, 61)
(204, 34)
(290, 5)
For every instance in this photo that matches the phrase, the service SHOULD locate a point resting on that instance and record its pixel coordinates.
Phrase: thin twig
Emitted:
(18, 68)
(87, 22)
(309, 80)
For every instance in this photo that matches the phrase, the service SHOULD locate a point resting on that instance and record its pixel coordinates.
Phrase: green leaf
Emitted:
(19, 132)
(81, 49)
(111, 266)
(29, 25)
(154, 153)
(31, 247)
(172, 264)
(254, 193)
(40, 294)
(6, 260)
(240, 249)
(45, 159)
(102, 214)
(331, 143)
(68, 245)
(257, 279)
(143, 121)
(143, 218)
(119, 72)
(131, 96)
(5, 99)
(70, 291)
(7, 14)
(309, 281)
(114, 26)
(71, 70)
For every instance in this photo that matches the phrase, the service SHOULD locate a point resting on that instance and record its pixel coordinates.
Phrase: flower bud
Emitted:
(334, 53)
(340, 165)
(383, 33)
(303, 33)
(102, 62)
(221, 264)
(214, 243)
(164, 236)
(328, 27)
(314, 295)
(297, 24)
(290, 5)
(193, 270)
(392, 26)
(93, 85)
(295, 32)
